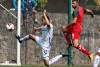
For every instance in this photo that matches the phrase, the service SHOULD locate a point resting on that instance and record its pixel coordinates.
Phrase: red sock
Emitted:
(84, 50)
(67, 37)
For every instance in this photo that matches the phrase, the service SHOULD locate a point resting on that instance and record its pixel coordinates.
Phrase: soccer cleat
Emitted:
(91, 57)
(18, 37)
(63, 54)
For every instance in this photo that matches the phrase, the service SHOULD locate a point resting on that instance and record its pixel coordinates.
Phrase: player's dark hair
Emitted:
(76, 1)
(46, 16)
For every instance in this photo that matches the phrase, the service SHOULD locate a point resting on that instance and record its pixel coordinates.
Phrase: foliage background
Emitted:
(93, 4)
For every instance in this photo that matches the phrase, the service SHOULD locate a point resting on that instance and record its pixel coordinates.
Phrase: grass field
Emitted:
(46, 66)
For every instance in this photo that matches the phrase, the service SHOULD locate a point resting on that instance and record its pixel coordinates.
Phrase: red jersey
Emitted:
(79, 14)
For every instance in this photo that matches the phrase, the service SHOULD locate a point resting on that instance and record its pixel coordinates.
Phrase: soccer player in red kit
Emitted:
(75, 27)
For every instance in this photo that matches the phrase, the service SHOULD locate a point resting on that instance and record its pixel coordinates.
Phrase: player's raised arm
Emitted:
(46, 19)
(90, 12)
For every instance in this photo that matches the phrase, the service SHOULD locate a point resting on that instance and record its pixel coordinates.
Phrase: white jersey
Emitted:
(47, 33)
(45, 40)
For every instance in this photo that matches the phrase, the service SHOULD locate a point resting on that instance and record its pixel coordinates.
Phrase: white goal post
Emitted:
(18, 62)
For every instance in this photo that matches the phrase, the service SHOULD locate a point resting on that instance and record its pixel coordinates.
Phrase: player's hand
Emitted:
(64, 28)
(92, 16)
(45, 12)
(27, 9)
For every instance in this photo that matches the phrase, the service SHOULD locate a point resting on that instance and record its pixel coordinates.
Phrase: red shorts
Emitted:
(75, 31)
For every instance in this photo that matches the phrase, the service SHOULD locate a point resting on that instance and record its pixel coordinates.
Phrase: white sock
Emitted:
(96, 61)
(25, 38)
(55, 59)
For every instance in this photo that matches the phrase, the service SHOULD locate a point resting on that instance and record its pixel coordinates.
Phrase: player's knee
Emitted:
(46, 61)
(75, 45)
(46, 64)
(30, 35)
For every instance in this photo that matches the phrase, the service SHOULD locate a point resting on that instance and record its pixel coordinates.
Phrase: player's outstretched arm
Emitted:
(47, 21)
(91, 13)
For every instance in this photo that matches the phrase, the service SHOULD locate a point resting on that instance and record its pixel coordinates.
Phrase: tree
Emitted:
(97, 2)
(41, 4)
(93, 4)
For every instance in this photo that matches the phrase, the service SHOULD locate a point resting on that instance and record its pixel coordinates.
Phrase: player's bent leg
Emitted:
(27, 37)
(82, 49)
(66, 35)
(45, 54)
(48, 62)
(33, 37)
(24, 38)
(75, 43)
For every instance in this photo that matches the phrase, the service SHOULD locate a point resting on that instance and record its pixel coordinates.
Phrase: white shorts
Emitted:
(45, 50)
(98, 50)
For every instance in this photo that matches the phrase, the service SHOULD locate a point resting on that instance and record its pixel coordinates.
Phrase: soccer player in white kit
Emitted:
(97, 58)
(44, 41)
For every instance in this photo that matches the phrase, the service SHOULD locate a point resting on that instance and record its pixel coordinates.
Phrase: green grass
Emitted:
(46, 66)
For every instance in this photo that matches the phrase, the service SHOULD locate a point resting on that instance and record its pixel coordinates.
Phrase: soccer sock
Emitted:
(83, 49)
(55, 59)
(96, 61)
(25, 38)
(67, 37)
